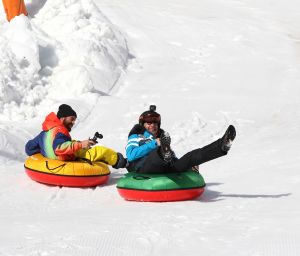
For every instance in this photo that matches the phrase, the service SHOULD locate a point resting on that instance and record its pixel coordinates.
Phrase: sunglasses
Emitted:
(151, 122)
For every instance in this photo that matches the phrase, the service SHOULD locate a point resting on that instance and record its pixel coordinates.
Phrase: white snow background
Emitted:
(205, 64)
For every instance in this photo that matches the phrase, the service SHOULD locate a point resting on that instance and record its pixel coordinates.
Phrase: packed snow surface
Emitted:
(205, 64)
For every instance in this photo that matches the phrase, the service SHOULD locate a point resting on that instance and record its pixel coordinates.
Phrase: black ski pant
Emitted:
(155, 164)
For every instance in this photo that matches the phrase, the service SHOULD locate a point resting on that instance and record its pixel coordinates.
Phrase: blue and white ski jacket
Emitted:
(139, 145)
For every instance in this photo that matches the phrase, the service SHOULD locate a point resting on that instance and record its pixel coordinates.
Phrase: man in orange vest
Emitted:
(14, 8)
(55, 142)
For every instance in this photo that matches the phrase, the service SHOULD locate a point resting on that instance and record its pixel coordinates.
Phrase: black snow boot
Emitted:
(227, 138)
(121, 162)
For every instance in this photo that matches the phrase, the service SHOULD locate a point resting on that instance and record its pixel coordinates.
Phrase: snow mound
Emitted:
(67, 50)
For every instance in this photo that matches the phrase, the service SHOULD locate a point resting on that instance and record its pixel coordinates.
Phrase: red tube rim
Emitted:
(67, 181)
(160, 196)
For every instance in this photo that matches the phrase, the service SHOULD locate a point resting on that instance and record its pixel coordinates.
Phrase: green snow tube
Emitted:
(161, 187)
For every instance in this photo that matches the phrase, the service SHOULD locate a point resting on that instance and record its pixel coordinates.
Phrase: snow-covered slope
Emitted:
(205, 64)
(68, 50)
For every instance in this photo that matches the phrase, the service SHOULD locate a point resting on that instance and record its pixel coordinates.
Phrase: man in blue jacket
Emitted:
(148, 148)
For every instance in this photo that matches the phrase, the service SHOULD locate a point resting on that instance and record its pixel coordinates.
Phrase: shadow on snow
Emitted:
(213, 196)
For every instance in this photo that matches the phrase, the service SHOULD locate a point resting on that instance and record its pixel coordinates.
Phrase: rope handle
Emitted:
(141, 177)
(51, 169)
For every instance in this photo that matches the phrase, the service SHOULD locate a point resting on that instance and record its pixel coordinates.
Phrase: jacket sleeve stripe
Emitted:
(131, 144)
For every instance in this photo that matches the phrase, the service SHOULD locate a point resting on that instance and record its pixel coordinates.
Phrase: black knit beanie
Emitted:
(65, 110)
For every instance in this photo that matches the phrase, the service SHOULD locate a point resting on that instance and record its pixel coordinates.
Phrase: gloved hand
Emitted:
(165, 148)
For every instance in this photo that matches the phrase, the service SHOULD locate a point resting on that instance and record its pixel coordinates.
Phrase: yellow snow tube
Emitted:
(14, 8)
(66, 173)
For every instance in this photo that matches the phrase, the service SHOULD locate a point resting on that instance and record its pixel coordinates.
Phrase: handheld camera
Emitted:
(97, 135)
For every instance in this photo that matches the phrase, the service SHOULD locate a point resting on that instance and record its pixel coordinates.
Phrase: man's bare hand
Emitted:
(87, 143)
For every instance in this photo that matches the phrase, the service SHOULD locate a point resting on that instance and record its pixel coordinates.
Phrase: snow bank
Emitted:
(67, 50)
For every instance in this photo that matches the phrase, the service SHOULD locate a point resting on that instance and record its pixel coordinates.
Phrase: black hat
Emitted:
(150, 116)
(65, 110)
